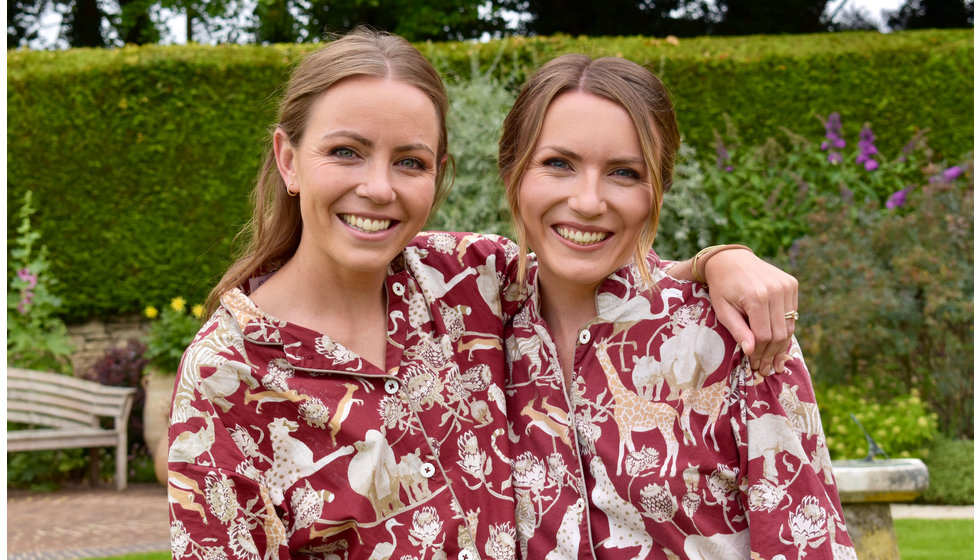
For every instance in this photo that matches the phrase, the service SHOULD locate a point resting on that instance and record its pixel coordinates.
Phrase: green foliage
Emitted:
(36, 336)
(766, 193)
(922, 539)
(171, 331)
(689, 220)
(477, 201)
(45, 471)
(902, 425)
(950, 463)
(888, 296)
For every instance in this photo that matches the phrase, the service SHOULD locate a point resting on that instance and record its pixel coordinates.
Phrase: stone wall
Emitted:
(92, 339)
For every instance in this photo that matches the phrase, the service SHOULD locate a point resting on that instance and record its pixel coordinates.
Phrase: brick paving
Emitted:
(87, 523)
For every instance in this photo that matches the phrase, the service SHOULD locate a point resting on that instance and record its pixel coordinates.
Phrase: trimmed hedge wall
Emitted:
(141, 158)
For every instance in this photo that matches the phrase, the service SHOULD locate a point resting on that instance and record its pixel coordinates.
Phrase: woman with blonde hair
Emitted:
(642, 429)
(345, 398)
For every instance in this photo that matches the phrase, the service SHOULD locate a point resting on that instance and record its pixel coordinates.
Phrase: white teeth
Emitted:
(581, 237)
(365, 225)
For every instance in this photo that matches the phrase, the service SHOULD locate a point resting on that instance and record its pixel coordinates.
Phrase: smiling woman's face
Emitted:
(365, 170)
(586, 194)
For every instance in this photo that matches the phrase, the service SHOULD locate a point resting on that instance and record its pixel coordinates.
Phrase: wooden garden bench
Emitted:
(64, 412)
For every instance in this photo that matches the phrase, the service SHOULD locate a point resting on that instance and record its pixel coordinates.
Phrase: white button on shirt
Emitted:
(584, 337)
(427, 470)
(398, 289)
(391, 386)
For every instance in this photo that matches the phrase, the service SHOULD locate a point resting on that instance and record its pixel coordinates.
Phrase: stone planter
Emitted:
(156, 417)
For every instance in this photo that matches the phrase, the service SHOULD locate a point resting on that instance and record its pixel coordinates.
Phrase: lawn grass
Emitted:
(918, 539)
(922, 539)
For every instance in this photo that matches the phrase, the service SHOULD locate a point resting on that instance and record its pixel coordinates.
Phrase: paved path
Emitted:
(82, 523)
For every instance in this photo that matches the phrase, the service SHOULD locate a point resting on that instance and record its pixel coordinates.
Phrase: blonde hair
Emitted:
(629, 85)
(273, 231)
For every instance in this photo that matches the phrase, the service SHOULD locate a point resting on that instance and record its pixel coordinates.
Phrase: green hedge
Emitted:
(141, 158)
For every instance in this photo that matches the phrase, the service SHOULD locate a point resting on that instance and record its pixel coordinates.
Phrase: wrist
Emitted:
(699, 264)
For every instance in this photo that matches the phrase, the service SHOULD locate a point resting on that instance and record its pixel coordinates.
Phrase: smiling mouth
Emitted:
(581, 237)
(366, 225)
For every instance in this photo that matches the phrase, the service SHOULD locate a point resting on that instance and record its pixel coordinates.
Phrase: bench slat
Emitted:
(73, 405)
(33, 440)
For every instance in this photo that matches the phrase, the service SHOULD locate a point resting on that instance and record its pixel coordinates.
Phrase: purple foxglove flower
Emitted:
(862, 157)
(871, 165)
(824, 145)
(839, 143)
(835, 157)
(25, 275)
(729, 168)
(952, 173)
(897, 199)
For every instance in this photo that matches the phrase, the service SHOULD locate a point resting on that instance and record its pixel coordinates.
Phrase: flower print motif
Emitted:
(426, 527)
(556, 468)
(443, 242)
(477, 378)
(307, 506)
(278, 372)
(314, 412)
(240, 542)
(244, 441)
(180, 539)
(326, 346)
(587, 430)
(765, 496)
(808, 523)
(659, 503)
(529, 472)
(691, 502)
(433, 352)
(452, 317)
(392, 410)
(221, 497)
(421, 385)
(501, 542)
(472, 459)
(642, 460)
(723, 482)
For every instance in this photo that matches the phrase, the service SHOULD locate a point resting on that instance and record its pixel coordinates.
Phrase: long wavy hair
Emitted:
(629, 85)
(273, 232)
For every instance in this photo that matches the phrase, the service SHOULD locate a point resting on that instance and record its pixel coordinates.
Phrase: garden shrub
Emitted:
(123, 367)
(47, 470)
(141, 158)
(950, 463)
(887, 294)
(902, 425)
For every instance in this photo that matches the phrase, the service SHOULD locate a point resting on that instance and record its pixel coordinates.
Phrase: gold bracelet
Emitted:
(700, 262)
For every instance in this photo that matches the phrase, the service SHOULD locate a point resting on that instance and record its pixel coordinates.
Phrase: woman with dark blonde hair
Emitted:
(642, 429)
(345, 398)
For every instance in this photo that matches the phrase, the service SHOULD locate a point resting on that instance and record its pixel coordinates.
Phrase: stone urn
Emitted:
(159, 389)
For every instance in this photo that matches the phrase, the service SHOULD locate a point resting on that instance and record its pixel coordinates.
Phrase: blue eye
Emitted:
(627, 173)
(343, 152)
(413, 163)
(556, 163)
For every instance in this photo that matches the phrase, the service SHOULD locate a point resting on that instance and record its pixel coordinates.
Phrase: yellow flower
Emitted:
(151, 312)
(197, 311)
(178, 304)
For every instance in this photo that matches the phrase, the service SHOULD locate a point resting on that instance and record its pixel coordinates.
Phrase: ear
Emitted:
(285, 157)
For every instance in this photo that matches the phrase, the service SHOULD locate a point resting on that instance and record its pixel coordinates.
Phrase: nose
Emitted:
(377, 186)
(588, 198)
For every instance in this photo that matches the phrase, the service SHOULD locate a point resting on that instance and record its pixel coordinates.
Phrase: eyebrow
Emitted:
(360, 139)
(573, 155)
